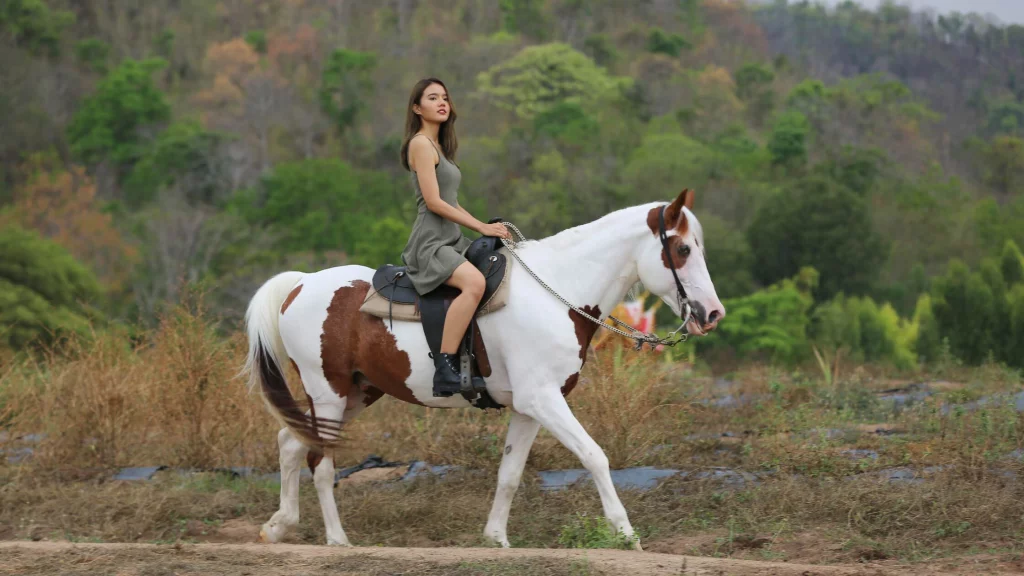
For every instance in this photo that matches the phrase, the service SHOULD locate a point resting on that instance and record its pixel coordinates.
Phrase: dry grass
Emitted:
(170, 399)
(872, 519)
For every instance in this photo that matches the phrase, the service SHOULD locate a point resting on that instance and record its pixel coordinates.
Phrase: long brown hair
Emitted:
(413, 122)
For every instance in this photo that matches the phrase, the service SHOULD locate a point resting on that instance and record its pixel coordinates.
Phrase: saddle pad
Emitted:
(377, 305)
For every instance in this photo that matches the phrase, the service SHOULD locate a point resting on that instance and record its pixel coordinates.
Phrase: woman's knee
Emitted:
(475, 285)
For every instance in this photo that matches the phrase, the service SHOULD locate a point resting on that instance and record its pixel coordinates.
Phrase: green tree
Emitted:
(665, 164)
(1011, 264)
(1015, 337)
(754, 88)
(1004, 164)
(32, 25)
(346, 86)
(184, 156)
(543, 76)
(661, 42)
(771, 322)
(526, 17)
(789, 140)
(729, 257)
(110, 122)
(382, 242)
(93, 54)
(965, 311)
(817, 222)
(44, 292)
(313, 205)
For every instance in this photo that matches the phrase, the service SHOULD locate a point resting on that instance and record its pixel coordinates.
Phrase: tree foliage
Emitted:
(44, 292)
(111, 123)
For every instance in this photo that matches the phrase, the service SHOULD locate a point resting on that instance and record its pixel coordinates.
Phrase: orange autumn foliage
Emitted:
(49, 204)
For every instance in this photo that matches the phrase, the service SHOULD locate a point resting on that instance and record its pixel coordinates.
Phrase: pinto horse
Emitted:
(347, 360)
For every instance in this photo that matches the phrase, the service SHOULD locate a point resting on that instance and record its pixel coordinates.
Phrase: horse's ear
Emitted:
(674, 213)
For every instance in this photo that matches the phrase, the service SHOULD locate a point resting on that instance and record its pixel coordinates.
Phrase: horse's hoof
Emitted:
(345, 543)
(263, 537)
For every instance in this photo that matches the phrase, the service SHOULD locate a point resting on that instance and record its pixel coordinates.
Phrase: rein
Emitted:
(639, 336)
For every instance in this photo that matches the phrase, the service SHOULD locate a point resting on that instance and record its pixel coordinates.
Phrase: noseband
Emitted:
(681, 298)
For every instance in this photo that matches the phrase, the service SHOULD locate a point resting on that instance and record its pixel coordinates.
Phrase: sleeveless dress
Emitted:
(436, 245)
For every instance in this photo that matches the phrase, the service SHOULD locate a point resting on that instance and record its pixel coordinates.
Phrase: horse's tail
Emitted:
(266, 351)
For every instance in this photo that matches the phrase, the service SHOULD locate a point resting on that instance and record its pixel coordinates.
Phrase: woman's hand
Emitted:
(495, 229)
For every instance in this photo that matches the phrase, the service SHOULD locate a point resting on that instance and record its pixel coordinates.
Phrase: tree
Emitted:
(964, 309)
(44, 292)
(754, 87)
(665, 163)
(34, 26)
(346, 86)
(184, 156)
(543, 76)
(789, 139)
(1011, 264)
(817, 222)
(312, 205)
(52, 205)
(1004, 164)
(112, 122)
(526, 17)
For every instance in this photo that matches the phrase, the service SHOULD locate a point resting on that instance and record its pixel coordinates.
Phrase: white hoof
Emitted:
(497, 538)
(274, 531)
(335, 542)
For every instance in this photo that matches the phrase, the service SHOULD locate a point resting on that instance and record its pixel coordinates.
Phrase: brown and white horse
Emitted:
(347, 360)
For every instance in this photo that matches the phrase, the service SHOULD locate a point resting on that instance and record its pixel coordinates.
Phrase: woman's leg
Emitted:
(460, 313)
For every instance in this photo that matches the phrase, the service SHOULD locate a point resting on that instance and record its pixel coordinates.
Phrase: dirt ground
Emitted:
(67, 558)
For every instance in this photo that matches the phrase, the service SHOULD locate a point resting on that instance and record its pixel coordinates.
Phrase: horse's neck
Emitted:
(593, 264)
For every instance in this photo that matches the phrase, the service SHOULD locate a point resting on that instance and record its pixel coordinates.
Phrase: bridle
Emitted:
(681, 297)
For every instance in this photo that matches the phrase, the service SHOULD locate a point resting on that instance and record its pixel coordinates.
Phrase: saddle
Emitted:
(393, 296)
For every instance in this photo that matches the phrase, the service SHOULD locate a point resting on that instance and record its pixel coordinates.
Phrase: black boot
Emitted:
(447, 381)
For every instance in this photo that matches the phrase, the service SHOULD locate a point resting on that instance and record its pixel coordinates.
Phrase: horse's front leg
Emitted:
(522, 430)
(550, 409)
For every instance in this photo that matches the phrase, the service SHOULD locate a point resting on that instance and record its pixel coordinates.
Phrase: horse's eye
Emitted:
(683, 250)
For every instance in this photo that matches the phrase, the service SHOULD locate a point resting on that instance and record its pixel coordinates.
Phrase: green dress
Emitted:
(436, 244)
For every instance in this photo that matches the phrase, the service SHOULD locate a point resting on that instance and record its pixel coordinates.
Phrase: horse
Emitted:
(347, 359)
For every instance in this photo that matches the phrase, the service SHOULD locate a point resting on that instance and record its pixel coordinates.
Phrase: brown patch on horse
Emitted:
(313, 459)
(291, 297)
(585, 330)
(674, 220)
(570, 383)
(355, 342)
(370, 392)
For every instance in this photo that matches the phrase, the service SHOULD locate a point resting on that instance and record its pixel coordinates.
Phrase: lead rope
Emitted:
(641, 337)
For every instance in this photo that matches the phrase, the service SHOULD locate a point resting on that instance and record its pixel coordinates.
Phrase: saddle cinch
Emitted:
(393, 297)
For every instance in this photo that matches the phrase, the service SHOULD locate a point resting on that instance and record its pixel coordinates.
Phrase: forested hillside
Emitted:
(860, 174)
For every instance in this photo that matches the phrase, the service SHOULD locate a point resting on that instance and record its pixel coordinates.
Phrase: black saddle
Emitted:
(392, 282)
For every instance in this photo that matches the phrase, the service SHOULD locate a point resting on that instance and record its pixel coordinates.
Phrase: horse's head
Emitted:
(674, 252)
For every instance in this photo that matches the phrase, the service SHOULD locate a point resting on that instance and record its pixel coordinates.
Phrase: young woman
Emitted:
(433, 254)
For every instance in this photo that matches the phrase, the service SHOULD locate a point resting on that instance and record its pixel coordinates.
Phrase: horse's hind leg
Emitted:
(293, 453)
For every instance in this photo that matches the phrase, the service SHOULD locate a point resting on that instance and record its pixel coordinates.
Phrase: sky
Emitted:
(1008, 11)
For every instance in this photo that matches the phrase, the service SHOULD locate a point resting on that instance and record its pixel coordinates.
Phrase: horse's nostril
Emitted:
(714, 316)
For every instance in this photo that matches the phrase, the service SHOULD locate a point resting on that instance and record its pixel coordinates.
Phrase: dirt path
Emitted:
(31, 558)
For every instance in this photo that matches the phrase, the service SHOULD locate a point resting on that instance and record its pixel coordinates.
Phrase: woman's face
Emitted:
(434, 106)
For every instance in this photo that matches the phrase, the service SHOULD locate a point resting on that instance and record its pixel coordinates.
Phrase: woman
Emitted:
(433, 254)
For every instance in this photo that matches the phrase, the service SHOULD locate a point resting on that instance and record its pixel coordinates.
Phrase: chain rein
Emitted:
(641, 337)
